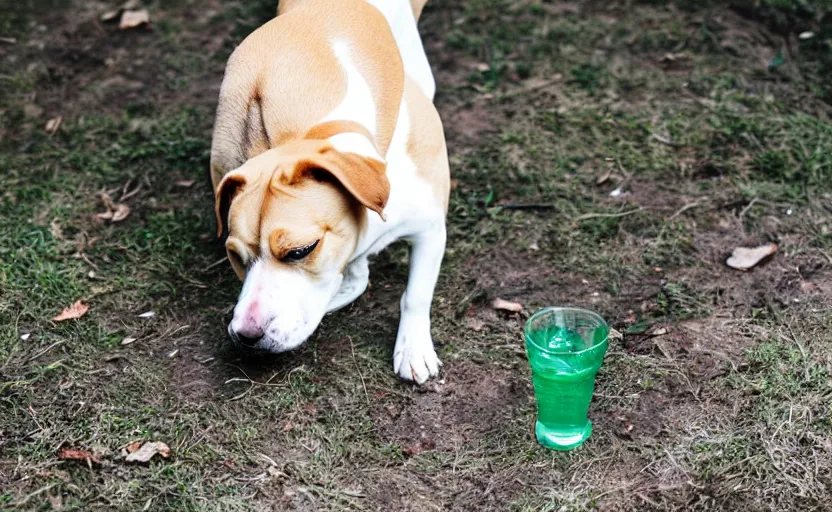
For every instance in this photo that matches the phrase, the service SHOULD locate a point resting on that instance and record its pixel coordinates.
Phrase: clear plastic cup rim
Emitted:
(550, 309)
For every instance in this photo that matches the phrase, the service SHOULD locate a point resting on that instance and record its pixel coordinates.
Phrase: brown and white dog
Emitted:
(326, 149)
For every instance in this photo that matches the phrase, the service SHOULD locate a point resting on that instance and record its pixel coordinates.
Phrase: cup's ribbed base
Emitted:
(561, 440)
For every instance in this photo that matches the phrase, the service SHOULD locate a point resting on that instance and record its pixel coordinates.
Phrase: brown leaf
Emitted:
(109, 15)
(661, 331)
(807, 286)
(121, 212)
(72, 312)
(76, 454)
(132, 447)
(116, 212)
(505, 305)
(148, 451)
(412, 449)
(428, 443)
(744, 258)
(132, 19)
(185, 183)
(53, 124)
(288, 426)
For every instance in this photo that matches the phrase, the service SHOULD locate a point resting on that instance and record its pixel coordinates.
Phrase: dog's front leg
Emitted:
(414, 357)
(356, 278)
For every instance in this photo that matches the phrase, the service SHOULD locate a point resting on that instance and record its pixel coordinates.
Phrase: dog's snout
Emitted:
(246, 335)
(248, 341)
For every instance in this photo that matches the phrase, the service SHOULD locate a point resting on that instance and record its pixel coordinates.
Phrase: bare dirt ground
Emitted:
(609, 155)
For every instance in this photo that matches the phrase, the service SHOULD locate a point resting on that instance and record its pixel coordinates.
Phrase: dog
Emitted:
(326, 149)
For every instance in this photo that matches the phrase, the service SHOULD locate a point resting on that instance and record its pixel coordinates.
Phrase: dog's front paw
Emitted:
(414, 358)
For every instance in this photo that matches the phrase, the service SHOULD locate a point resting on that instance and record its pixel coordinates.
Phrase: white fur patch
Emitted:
(402, 23)
(358, 104)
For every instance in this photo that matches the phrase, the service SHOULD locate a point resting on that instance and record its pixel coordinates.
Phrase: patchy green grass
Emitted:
(607, 159)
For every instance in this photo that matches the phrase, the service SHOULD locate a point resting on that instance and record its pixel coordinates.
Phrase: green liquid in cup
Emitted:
(565, 347)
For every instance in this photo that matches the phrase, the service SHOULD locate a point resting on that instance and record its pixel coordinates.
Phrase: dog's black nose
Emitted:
(246, 341)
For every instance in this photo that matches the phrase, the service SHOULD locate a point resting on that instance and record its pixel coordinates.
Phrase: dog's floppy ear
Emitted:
(243, 178)
(364, 178)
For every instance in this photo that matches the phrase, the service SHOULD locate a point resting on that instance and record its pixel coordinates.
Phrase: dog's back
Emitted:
(297, 69)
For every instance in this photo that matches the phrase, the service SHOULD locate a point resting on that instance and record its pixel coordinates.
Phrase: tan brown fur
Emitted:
(417, 6)
(329, 129)
(291, 57)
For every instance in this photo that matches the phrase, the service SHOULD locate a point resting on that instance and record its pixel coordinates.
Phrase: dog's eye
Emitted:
(300, 252)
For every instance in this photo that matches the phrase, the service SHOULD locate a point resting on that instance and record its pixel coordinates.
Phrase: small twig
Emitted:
(8, 40)
(612, 491)
(664, 140)
(607, 215)
(89, 262)
(169, 332)
(683, 209)
(28, 497)
(527, 206)
(358, 369)
(748, 207)
(128, 195)
(47, 349)
(215, 264)
(802, 352)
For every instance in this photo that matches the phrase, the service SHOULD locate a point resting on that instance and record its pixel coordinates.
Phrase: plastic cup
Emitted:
(565, 347)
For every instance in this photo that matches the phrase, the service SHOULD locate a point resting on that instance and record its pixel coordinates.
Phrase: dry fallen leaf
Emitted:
(148, 451)
(132, 447)
(121, 212)
(116, 212)
(132, 19)
(412, 449)
(805, 286)
(127, 341)
(53, 124)
(147, 314)
(75, 454)
(72, 312)
(25, 337)
(744, 258)
(185, 183)
(109, 15)
(505, 305)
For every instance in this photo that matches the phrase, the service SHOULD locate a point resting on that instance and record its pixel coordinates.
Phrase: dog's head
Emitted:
(293, 216)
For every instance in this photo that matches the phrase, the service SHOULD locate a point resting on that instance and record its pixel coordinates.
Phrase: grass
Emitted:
(610, 160)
